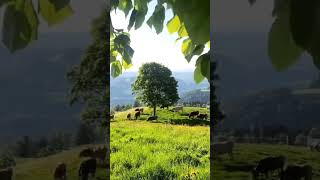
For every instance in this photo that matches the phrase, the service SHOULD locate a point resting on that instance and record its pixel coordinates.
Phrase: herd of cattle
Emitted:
(87, 167)
(269, 165)
(139, 111)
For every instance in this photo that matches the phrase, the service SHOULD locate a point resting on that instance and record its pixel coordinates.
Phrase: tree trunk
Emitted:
(154, 110)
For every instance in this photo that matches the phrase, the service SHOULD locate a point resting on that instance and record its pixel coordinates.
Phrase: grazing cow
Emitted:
(178, 108)
(164, 106)
(269, 164)
(193, 114)
(137, 115)
(152, 118)
(60, 172)
(88, 152)
(294, 172)
(6, 174)
(315, 146)
(129, 116)
(223, 148)
(87, 167)
(141, 110)
(137, 109)
(202, 116)
(101, 154)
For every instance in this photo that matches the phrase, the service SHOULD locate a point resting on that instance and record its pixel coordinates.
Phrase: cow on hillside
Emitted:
(87, 167)
(129, 116)
(6, 174)
(137, 115)
(202, 116)
(294, 172)
(193, 114)
(269, 164)
(60, 172)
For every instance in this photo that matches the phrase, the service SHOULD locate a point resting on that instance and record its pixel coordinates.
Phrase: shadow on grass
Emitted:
(189, 122)
(239, 167)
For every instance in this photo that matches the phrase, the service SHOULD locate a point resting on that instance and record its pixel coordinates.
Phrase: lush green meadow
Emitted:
(43, 168)
(247, 155)
(162, 149)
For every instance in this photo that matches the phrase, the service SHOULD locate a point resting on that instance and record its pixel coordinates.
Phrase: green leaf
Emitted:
(20, 25)
(157, 18)
(142, 8)
(60, 4)
(125, 6)
(173, 24)
(282, 49)
(182, 31)
(125, 65)
(203, 62)
(32, 18)
(196, 18)
(114, 55)
(197, 75)
(140, 17)
(187, 47)
(116, 69)
(302, 21)
(51, 15)
(198, 49)
(16, 31)
(132, 19)
(122, 41)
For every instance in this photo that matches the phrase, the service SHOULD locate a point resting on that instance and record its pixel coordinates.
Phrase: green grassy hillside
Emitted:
(43, 168)
(246, 157)
(160, 150)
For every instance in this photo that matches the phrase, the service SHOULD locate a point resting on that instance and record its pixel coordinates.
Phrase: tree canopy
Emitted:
(155, 86)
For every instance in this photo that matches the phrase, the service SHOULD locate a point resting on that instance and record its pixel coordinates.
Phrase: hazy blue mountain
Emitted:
(34, 88)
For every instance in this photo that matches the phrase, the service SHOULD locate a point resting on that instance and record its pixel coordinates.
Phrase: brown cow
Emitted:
(60, 172)
(87, 167)
(141, 110)
(6, 174)
(294, 172)
(129, 116)
(193, 114)
(202, 116)
(88, 152)
(101, 154)
(137, 115)
(269, 164)
(137, 109)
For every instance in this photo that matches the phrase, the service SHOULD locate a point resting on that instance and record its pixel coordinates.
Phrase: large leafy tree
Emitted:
(155, 85)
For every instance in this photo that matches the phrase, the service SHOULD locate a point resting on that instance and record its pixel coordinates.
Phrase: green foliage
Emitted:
(7, 160)
(89, 78)
(20, 24)
(296, 30)
(191, 22)
(155, 85)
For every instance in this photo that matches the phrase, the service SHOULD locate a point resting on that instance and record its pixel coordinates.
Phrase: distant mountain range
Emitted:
(121, 86)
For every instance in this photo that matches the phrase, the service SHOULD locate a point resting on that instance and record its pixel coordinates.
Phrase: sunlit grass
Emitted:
(146, 150)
